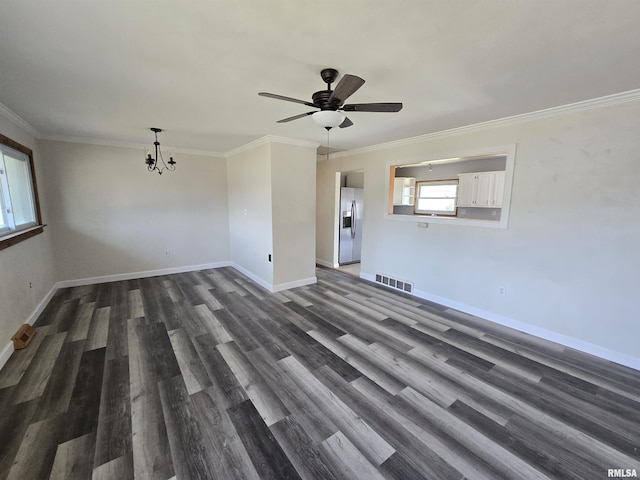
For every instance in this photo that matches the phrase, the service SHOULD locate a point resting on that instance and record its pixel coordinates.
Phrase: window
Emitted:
(19, 208)
(436, 197)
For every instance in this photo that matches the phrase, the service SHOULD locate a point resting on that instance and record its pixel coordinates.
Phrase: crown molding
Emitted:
(594, 103)
(18, 120)
(600, 102)
(115, 143)
(292, 141)
(268, 139)
(247, 146)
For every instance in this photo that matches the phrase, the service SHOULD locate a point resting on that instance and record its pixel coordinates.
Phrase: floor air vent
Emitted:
(394, 283)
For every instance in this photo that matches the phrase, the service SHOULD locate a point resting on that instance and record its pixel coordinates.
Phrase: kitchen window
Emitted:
(436, 197)
(19, 207)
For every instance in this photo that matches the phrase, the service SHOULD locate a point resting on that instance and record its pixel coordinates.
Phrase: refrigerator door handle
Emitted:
(353, 218)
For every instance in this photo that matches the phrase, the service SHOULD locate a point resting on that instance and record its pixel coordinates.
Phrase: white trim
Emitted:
(7, 351)
(42, 305)
(327, 264)
(268, 139)
(567, 341)
(297, 283)
(5, 354)
(600, 102)
(134, 145)
(292, 141)
(270, 287)
(264, 284)
(247, 146)
(17, 120)
(134, 275)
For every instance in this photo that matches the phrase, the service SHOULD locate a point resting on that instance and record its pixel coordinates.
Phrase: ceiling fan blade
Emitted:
(346, 87)
(373, 107)
(288, 99)
(295, 117)
(346, 123)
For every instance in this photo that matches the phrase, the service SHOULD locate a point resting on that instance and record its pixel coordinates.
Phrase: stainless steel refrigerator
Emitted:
(350, 225)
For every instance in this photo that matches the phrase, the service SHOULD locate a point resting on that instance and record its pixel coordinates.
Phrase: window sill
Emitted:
(467, 222)
(17, 237)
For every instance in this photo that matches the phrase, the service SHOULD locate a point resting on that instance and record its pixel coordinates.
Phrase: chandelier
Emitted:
(157, 162)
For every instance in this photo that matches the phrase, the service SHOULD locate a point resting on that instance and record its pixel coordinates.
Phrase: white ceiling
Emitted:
(108, 70)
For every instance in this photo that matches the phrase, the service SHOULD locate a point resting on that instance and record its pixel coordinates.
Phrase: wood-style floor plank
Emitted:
(208, 375)
(41, 437)
(193, 372)
(73, 459)
(191, 449)
(35, 378)
(151, 360)
(113, 433)
(14, 369)
(267, 403)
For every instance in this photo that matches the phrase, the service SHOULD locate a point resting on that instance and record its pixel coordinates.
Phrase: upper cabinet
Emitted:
(404, 190)
(481, 189)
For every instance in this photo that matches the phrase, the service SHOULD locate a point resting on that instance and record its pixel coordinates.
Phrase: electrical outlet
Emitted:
(167, 253)
(269, 257)
(502, 291)
(30, 286)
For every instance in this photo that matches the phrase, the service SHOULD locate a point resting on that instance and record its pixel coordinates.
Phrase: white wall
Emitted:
(569, 260)
(28, 261)
(250, 222)
(353, 180)
(328, 183)
(272, 211)
(293, 177)
(110, 216)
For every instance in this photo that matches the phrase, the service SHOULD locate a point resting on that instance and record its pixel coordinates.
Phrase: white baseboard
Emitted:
(133, 275)
(270, 287)
(5, 354)
(298, 283)
(586, 347)
(7, 351)
(263, 283)
(324, 263)
(567, 341)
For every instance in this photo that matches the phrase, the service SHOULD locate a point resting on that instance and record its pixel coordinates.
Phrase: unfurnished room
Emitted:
(319, 240)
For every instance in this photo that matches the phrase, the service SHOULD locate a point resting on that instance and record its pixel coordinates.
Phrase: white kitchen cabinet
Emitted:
(404, 190)
(498, 189)
(480, 189)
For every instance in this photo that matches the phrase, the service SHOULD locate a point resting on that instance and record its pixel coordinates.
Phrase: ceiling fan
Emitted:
(330, 103)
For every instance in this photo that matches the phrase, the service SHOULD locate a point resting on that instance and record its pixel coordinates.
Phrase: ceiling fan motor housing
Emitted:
(321, 100)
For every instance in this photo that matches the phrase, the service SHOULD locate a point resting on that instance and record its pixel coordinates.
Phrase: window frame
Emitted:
(423, 156)
(12, 237)
(436, 213)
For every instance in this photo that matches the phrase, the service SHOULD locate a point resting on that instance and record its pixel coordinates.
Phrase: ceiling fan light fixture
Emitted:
(328, 118)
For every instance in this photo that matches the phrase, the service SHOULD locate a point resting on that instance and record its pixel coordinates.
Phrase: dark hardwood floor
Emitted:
(205, 375)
